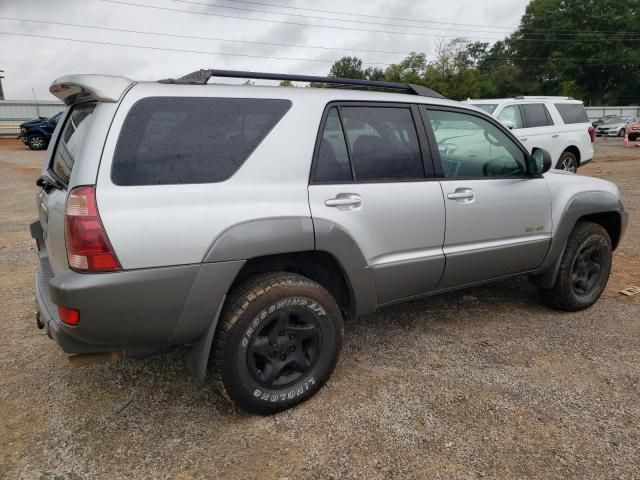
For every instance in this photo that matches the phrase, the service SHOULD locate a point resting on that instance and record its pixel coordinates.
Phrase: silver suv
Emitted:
(249, 222)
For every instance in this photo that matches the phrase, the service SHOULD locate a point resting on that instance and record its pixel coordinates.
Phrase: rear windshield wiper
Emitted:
(47, 183)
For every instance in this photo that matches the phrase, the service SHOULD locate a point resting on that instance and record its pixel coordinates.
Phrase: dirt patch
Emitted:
(484, 382)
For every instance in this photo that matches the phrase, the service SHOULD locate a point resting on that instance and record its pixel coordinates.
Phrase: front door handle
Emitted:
(555, 136)
(523, 139)
(463, 195)
(344, 200)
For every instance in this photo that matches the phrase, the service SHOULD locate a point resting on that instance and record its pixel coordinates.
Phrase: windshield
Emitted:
(487, 107)
(615, 120)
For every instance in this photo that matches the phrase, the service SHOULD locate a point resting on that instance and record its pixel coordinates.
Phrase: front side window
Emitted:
(537, 115)
(185, 140)
(472, 147)
(511, 114)
(71, 139)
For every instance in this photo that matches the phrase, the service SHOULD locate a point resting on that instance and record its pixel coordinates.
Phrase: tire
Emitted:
(36, 142)
(621, 132)
(632, 138)
(584, 269)
(568, 162)
(277, 342)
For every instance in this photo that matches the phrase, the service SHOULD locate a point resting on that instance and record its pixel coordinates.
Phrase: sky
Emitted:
(309, 38)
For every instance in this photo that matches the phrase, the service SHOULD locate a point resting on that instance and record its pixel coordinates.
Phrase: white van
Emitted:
(557, 124)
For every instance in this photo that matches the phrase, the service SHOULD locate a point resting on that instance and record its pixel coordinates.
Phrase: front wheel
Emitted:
(277, 342)
(584, 269)
(621, 132)
(36, 142)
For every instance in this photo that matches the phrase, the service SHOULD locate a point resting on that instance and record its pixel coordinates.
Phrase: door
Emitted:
(373, 179)
(498, 219)
(534, 127)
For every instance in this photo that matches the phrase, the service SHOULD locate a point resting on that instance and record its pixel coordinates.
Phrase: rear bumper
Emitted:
(121, 311)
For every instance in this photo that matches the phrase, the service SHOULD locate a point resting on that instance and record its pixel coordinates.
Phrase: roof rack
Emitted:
(542, 97)
(201, 77)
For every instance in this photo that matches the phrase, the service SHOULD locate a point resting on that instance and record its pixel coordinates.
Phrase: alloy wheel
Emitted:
(285, 347)
(587, 268)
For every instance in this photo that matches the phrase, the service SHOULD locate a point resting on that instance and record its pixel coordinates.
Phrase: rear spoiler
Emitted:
(102, 88)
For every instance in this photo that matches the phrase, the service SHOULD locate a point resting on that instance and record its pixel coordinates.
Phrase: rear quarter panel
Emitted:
(161, 225)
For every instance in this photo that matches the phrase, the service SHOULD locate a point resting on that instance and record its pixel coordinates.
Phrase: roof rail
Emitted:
(201, 77)
(542, 97)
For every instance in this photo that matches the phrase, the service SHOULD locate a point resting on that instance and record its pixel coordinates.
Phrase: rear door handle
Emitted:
(555, 136)
(344, 200)
(464, 195)
(523, 139)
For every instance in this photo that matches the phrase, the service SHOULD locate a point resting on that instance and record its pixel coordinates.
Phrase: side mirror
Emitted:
(540, 161)
(508, 124)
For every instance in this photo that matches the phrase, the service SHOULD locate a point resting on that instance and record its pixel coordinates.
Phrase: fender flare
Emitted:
(580, 205)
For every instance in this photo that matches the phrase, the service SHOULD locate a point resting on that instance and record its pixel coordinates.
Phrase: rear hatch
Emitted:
(74, 153)
(56, 177)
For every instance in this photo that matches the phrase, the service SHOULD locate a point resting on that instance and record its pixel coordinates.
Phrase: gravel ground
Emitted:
(484, 382)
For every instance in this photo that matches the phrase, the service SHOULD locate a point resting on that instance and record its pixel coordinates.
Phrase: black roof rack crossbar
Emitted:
(201, 77)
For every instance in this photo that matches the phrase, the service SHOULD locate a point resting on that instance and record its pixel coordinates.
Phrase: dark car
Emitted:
(36, 133)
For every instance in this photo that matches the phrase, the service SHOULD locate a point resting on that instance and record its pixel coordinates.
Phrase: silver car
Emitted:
(250, 222)
(615, 126)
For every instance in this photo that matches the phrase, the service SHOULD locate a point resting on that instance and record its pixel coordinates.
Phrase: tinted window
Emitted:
(470, 146)
(71, 138)
(383, 143)
(572, 113)
(167, 140)
(333, 158)
(536, 115)
(487, 107)
(511, 114)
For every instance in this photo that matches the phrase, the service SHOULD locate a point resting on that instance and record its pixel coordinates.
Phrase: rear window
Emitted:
(572, 113)
(176, 140)
(71, 138)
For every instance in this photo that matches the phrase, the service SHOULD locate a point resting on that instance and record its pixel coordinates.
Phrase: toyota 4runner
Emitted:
(250, 222)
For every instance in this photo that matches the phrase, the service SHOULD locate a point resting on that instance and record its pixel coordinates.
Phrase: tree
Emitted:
(347, 67)
(286, 83)
(576, 46)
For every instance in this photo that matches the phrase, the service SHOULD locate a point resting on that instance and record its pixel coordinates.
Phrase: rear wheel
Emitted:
(584, 269)
(277, 342)
(36, 142)
(568, 162)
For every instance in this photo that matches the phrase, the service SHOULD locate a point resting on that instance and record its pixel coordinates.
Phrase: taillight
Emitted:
(70, 316)
(88, 247)
(592, 134)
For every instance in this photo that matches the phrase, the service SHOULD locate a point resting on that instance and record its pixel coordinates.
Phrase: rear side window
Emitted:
(381, 144)
(572, 113)
(177, 140)
(536, 115)
(71, 138)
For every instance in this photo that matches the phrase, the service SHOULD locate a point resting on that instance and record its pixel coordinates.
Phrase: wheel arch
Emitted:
(575, 151)
(602, 208)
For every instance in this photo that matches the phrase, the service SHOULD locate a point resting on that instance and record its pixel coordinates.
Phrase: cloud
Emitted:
(32, 63)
